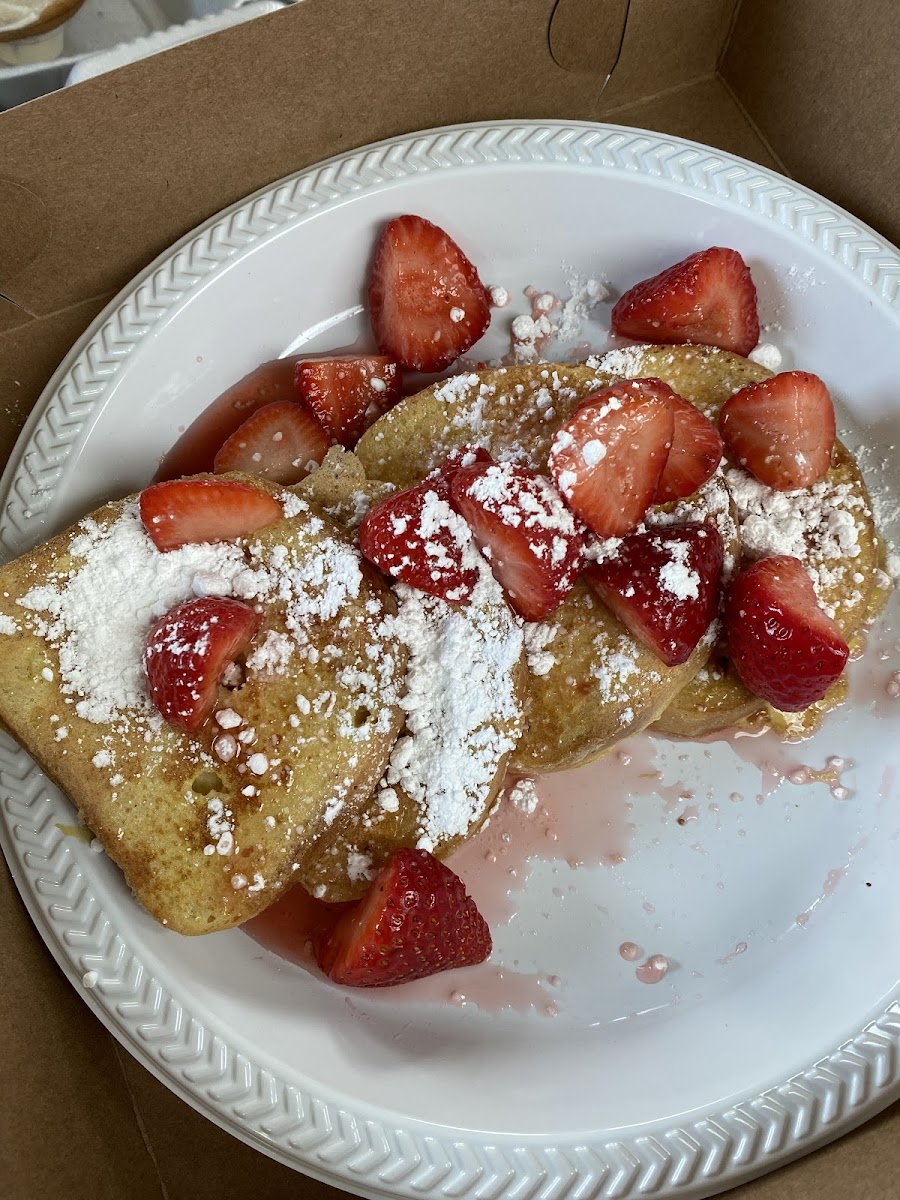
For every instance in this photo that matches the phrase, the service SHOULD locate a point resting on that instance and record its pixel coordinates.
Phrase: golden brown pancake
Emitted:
(829, 527)
(590, 681)
(207, 831)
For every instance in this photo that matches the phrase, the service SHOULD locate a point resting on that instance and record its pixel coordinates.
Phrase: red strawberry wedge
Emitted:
(708, 297)
(416, 537)
(782, 430)
(187, 653)
(195, 450)
(608, 458)
(695, 454)
(180, 511)
(465, 456)
(280, 442)
(416, 919)
(784, 646)
(426, 302)
(534, 544)
(663, 585)
(348, 394)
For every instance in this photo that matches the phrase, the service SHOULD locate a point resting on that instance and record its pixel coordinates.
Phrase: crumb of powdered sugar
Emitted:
(523, 796)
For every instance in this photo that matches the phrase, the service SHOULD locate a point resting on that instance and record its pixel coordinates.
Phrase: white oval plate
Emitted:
(734, 1062)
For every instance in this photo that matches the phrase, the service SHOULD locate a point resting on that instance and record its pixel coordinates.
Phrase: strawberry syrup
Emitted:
(581, 820)
(288, 926)
(195, 450)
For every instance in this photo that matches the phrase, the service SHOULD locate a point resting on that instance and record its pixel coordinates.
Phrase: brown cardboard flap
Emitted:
(821, 79)
(667, 44)
(26, 226)
(586, 35)
(125, 167)
(76, 1136)
(30, 351)
(11, 316)
(704, 111)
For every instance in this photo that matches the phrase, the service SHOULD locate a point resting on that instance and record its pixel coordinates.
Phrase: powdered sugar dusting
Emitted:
(274, 655)
(311, 586)
(766, 355)
(552, 317)
(461, 704)
(625, 361)
(820, 525)
(523, 795)
(584, 296)
(538, 636)
(359, 866)
(710, 503)
(613, 666)
(456, 388)
(676, 577)
(538, 507)
(98, 617)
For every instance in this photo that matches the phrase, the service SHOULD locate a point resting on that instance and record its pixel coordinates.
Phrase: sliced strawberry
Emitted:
(180, 511)
(415, 536)
(782, 430)
(188, 651)
(426, 302)
(784, 646)
(195, 450)
(534, 544)
(465, 456)
(281, 442)
(695, 454)
(608, 458)
(348, 394)
(663, 585)
(416, 919)
(708, 298)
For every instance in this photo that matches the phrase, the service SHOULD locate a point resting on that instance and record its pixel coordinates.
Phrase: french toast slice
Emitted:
(590, 681)
(463, 697)
(514, 412)
(206, 839)
(829, 527)
(463, 701)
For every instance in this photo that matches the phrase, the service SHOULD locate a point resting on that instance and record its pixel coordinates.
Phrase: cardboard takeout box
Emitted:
(95, 181)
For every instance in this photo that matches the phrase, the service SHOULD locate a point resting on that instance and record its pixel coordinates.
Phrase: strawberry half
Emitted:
(426, 302)
(348, 394)
(187, 653)
(608, 458)
(663, 585)
(465, 456)
(708, 297)
(195, 450)
(415, 536)
(784, 646)
(182, 511)
(416, 919)
(782, 430)
(695, 454)
(534, 544)
(280, 442)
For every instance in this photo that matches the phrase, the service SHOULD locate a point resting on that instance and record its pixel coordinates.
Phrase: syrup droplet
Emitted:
(653, 970)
